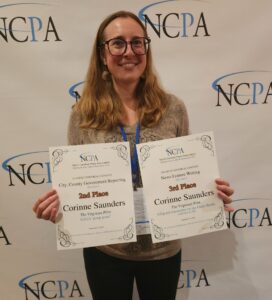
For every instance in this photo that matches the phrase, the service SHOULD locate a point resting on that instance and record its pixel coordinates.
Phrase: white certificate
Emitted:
(95, 188)
(178, 177)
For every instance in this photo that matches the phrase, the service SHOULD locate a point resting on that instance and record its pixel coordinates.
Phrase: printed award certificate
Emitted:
(96, 196)
(178, 177)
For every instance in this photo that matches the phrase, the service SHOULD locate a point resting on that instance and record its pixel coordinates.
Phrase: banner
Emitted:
(215, 55)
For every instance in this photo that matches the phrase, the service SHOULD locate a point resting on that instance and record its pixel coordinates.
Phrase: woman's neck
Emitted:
(126, 94)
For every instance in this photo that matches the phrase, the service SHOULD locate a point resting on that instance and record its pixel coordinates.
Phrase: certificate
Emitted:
(178, 178)
(94, 185)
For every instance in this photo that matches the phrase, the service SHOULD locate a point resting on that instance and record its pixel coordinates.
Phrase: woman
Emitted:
(122, 99)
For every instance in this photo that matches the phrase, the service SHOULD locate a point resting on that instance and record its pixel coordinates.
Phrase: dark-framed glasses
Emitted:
(118, 46)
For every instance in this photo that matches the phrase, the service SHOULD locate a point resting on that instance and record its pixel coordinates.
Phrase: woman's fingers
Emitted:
(47, 211)
(228, 208)
(221, 181)
(46, 207)
(224, 192)
(43, 198)
(54, 214)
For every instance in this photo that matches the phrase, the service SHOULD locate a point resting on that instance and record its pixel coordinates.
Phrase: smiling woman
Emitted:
(122, 100)
(113, 77)
(125, 66)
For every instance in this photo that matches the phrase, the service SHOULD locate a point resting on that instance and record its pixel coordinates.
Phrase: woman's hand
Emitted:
(224, 191)
(47, 206)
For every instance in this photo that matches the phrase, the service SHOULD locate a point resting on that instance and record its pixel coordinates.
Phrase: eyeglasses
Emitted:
(118, 46)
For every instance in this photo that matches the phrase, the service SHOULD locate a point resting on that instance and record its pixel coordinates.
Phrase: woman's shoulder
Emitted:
(74, 115)
(177, 115)
(74, 133)
(176, 106)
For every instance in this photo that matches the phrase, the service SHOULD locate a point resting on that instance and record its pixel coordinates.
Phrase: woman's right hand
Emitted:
(47, 206)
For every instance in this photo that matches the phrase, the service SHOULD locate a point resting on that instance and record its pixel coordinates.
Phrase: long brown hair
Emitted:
(100, 106)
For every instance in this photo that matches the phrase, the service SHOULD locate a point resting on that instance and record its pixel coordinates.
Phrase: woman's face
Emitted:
(126, 68)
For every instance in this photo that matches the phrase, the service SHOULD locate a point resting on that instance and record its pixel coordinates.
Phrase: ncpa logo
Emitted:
(250, 213)
(28, 168)
(243, 88)
(88, 157)
(51, 285)
(26, 22)
(174, 151)
(176, 18)
(4, 237)
(73, 90)
(193, 277)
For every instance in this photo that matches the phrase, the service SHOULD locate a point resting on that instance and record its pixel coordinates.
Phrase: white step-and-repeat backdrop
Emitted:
(216, 56)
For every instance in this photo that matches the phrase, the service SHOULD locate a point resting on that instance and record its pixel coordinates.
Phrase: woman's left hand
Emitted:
(224, 191)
